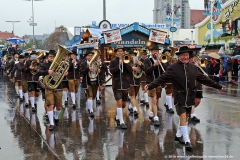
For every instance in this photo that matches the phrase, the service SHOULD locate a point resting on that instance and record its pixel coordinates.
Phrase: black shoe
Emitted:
(142, 101)
(123, 126)
(179, 140)
(188, 146)
(135, 113)
(130, 110)
(147, 104)
(21, 99)
(151, 119)
(51, 128)
(34, 109)
(74, 106)
(166, 106)
(56, 122)
(91, 114)
(156, 123)
(46, 117)
(66, 103)
(117, 121)
(195, 119)
(98, 102)
(170, 111)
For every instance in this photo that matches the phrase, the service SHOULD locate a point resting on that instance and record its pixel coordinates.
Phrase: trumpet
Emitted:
(126, 58)
(201, 63)
(35, 64)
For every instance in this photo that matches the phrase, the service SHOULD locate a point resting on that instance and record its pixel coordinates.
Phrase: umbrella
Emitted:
(203, 55)
(15, 40)
(236, 57)
(214, 55)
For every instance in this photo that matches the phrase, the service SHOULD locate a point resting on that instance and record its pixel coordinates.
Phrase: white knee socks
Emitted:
(146, 97)
(50, 117)
(17, 89)
(26, 97)
(57, 112)
(169, 101)
(90, 105)
(98, 94)
(32, 99)
(20, 93)
(65, 95)
(73, 97)
(120, 115)
(184, 130)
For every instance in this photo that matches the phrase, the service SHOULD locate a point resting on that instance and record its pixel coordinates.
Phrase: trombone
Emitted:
(201, 63)
(159, 59)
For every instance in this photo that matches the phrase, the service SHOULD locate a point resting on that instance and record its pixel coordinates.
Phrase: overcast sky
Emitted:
(72, 13)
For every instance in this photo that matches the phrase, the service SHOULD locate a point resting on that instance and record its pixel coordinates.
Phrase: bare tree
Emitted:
(55, 38)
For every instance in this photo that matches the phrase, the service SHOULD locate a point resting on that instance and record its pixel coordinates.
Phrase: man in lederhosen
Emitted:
(183, 76)
(144, 96)
(12, 62)
(120, 83)
(168, 87)
(134, 83)
(24, 80)
(32, 80)
(16, 73)
(102, 77)
(53, 96)
(153, 70)
(73, 76)
(88, 83)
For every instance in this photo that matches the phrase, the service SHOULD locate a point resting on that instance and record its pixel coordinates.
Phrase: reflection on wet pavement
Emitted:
(26, 135)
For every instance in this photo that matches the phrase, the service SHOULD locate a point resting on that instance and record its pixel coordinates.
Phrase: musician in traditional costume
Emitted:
(144, 96)
(32, 80)
(73, 76)
(90, 80)
(65, 85)
(24, 80)
(16, 73)
(53, 96)
(183, 76)
(120, 82)
(12, 62)
(134, 82)
(168, 85)
(153, 70)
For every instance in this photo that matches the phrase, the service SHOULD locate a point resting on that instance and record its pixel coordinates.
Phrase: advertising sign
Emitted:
(157, 36)
(112, 36)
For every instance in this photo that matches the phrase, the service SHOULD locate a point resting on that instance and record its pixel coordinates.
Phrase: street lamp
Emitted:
(211, 7)
(33, 24)
(104, 9)
(13, 25)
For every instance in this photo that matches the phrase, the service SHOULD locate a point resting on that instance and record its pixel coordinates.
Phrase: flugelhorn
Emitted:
(35, 64)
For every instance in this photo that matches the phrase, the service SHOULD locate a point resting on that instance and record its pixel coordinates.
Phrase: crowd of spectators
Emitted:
(224, 69)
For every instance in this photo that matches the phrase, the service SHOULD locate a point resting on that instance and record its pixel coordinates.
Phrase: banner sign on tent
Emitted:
(112, 36)
(157, 36)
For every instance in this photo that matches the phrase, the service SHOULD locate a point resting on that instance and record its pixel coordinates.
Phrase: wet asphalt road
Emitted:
(24, 135)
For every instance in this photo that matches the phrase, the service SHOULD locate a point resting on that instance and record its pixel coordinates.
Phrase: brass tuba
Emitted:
(59, 66)
(138, 74)
(94, 64)
(35, 64)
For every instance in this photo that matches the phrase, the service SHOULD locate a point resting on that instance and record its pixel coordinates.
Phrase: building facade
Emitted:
(163, 12)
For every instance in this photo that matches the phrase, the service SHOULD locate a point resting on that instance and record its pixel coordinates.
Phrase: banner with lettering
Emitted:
(157, 36)
(112, 36)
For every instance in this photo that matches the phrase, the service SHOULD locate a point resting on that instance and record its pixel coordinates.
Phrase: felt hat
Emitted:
(33, 52)
(26, 55)
(155, 47)
(193, 54)
(165, 50)
(21, 57)
(52, 52)
(74, 51)
(183, 49)
(89, 52)
(119, 47)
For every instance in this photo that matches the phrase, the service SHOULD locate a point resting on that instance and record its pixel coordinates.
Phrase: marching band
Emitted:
(59, 74)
